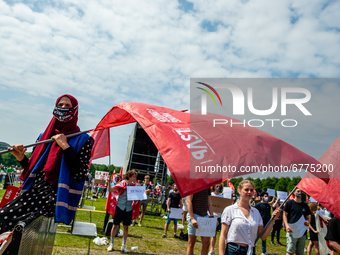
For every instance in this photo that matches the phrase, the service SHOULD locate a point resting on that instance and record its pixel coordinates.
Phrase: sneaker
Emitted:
(264, 253)
(132, 224)
(140, 224)
(278, 242)
(124, 249)
(273, 243)
(211, 253)
(176, 236)
(164, 235)
(110, 248)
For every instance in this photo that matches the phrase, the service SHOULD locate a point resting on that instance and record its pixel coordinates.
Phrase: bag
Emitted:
(108, 228)
(164, 206)
(183, 236)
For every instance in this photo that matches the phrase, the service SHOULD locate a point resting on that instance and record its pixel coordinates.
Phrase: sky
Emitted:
(107, 52)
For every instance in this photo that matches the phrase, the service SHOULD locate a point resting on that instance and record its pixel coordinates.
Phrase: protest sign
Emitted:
(206, 226)
(271, 192)
(282, 195)
(227, 192)
(136, 193)
(219, 203)
(176, 213)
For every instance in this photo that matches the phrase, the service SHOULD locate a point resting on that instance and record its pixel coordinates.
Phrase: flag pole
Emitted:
(48, 141)
(280, 207)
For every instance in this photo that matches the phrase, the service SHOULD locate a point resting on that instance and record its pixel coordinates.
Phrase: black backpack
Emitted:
(183, 236)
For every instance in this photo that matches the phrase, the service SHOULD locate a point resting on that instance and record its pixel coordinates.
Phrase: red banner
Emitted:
(327, 194)
(9, 195)
(101, 146)
(183, 143)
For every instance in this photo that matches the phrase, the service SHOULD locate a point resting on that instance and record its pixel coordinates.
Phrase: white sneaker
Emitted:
(211, 253)
(110, 248)
(124, 249)
(266, 253)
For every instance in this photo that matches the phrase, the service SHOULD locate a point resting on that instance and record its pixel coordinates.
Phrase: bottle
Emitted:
(134, 248)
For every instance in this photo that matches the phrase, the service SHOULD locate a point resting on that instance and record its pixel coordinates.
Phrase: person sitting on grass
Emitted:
(174, 201)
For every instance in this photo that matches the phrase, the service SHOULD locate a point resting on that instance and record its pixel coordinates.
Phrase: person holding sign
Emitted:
(49, 169)
(123, 209)
(293, 212)
(241, 224)
(174, 201)
(198, 204)
(217, 189)
(264, 208)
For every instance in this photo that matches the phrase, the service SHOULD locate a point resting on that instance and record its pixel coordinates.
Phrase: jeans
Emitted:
(235, 249)
(264, 246)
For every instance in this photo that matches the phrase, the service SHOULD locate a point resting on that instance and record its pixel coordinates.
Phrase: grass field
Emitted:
(148, 237)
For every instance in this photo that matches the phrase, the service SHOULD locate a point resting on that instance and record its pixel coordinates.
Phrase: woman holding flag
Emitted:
(53, 170)
(122, 209)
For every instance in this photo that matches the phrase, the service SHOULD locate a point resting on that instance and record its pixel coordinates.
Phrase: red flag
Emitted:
(101, 146)
(291, 197)
(184, 141)
(307, 199)
(255, 194)
(230, 185)
(9, 195)
(327, 194)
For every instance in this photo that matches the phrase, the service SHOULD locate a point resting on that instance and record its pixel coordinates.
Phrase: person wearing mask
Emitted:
(216, 192)
(174, 201)
(293, 211)
(313, 233)
(278, 224)
(123, 210)
(242, 223)
(264, 208)
(234, 197)
(51, 167)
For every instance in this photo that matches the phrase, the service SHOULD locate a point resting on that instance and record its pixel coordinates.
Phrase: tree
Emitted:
(282, 184)
(170, 180)
(258, 184)
(103, 168)
(112, 169)
(293, 183)
(235, 182)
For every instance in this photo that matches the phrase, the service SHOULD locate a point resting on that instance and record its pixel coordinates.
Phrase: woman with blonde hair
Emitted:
(241, 224)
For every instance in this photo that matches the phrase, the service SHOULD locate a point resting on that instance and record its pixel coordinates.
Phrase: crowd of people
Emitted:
(62, 166)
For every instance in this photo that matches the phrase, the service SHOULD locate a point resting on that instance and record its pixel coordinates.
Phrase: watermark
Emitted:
(245, 126)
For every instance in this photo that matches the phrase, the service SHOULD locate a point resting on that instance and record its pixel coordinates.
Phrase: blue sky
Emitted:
(107, 52)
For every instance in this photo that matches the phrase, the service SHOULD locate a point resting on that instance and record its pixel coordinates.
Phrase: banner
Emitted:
(321, 226)
(101, 175)
(186, 146)
(206, 226)
(9, 195)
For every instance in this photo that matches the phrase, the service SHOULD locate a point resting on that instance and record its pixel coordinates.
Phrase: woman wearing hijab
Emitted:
(54, 175)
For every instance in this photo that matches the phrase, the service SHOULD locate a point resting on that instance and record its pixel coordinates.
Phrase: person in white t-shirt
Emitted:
(217, 189)
(241, 224)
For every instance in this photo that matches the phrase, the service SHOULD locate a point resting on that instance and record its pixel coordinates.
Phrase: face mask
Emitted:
(299, 195)
(64, 114)
(265, 199)
(234, 198)
(218, 189)
(117, 179)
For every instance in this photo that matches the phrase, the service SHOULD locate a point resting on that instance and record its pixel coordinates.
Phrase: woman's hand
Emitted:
(18, 151)
(276, 213)
(194, 223)
(61, 140)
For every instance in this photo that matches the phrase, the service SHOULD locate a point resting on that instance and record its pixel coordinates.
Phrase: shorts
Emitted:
(295, 245)
(168, 220)
(191, 228)
(124, 216)
(144, 204)
(235, 249)
(185, 207)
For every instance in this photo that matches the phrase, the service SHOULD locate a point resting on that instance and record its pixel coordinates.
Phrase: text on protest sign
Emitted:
(206, 226)
(136, 193)
(219, 203)
(282, 195)
(176, 213)
(101, 175)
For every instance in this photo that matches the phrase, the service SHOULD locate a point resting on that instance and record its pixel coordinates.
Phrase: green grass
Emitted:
(148, 237)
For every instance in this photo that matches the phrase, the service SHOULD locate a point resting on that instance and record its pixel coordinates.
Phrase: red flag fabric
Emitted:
(121, 173)
(101, 146)
(307, 199)
(291, 197)
(230, 185)
(184, 141)
(9, 195)
(327, 194)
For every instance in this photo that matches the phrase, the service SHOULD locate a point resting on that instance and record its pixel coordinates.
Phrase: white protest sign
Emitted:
(313, 200)
(298, 228)
(101, 175)
(227, 192)
(176, 213)
(206, 226)
(136, 193)
(271, 192)
(282, 195)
